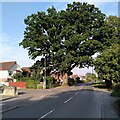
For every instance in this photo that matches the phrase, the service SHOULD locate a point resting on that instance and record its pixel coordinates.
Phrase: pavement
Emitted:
(27, 92)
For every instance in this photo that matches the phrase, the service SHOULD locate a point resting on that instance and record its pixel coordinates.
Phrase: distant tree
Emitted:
(90, 77)
(70, 37)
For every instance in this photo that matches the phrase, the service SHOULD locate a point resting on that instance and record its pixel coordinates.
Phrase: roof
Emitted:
(6, 65)
(26, 69)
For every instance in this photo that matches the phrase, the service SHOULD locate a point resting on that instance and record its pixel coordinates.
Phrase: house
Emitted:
(27, 72)
(7, 70)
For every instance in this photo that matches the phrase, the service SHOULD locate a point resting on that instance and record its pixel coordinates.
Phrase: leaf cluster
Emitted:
(69, 36)
(107, 64)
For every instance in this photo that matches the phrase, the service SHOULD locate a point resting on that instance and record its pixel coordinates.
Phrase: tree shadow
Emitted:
(40, 104)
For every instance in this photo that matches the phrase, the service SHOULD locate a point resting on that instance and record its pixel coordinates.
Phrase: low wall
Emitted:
(10, 91)
(18, 84)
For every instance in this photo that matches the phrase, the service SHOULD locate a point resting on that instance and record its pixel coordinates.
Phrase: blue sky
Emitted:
(13, 15)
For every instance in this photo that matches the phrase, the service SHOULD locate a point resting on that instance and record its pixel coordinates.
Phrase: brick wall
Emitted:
(18, 84)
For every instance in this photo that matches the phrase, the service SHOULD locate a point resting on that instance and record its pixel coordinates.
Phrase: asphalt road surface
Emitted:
(74, 103)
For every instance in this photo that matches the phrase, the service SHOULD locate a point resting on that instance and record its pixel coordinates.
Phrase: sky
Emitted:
(11, 33)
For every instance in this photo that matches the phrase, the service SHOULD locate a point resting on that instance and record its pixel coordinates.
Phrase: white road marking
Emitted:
(68, 100)
(46, 114)
(76, 93)
(12, 108)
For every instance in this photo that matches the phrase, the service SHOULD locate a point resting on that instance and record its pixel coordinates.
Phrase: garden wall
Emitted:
(18, 84)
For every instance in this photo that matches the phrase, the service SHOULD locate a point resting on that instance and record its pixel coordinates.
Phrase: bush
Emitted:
(117, 88)
(116, 91)
(77, 80)
(39, 87)
(71, 81)
(31, 84)
(50, 82)
(23, 79)
(115, 94)
(99, 85)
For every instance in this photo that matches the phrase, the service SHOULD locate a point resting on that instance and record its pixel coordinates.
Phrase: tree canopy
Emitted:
(107, 64)
(70, 37)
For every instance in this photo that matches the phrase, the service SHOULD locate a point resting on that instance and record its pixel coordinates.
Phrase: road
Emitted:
(72, 103)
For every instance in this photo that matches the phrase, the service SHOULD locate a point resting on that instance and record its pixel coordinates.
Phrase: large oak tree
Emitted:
(69, 36)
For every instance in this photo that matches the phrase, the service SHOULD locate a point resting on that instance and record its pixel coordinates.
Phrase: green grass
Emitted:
(99, 85)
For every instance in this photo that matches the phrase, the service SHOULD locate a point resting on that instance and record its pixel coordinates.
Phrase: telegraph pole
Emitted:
(44, 82)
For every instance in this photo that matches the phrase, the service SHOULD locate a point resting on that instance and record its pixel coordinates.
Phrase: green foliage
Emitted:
(50, 81)
(90, 77)
(116, 90)
(115, 94)
(17, 76)
(31, 84)
(38, 67)
(99, 85)
(69, 36)
(107, 63)
(39, 86)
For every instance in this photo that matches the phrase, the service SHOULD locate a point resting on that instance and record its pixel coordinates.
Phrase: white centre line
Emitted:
(68, 100)
(76, 93)
(46, 114)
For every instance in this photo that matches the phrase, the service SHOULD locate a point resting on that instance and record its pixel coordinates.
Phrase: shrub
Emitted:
(23, 79)
(77, 80)
(99, 85)
(50, 81)
(117, 88)
(115, 94)
(39, 87)
(32, 84)
(116, 91)
(70, 81)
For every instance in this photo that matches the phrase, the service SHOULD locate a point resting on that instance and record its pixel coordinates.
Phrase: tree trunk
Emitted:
(65, 79)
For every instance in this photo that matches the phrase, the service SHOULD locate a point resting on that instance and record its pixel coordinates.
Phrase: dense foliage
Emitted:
(107, 64)
(90, 77)
(116, 91)
(69, 37)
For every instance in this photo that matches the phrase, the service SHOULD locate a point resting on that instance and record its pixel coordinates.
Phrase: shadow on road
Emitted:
(50, 101)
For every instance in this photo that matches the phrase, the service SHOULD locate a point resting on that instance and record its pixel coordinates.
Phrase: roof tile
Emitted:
(6, 65)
